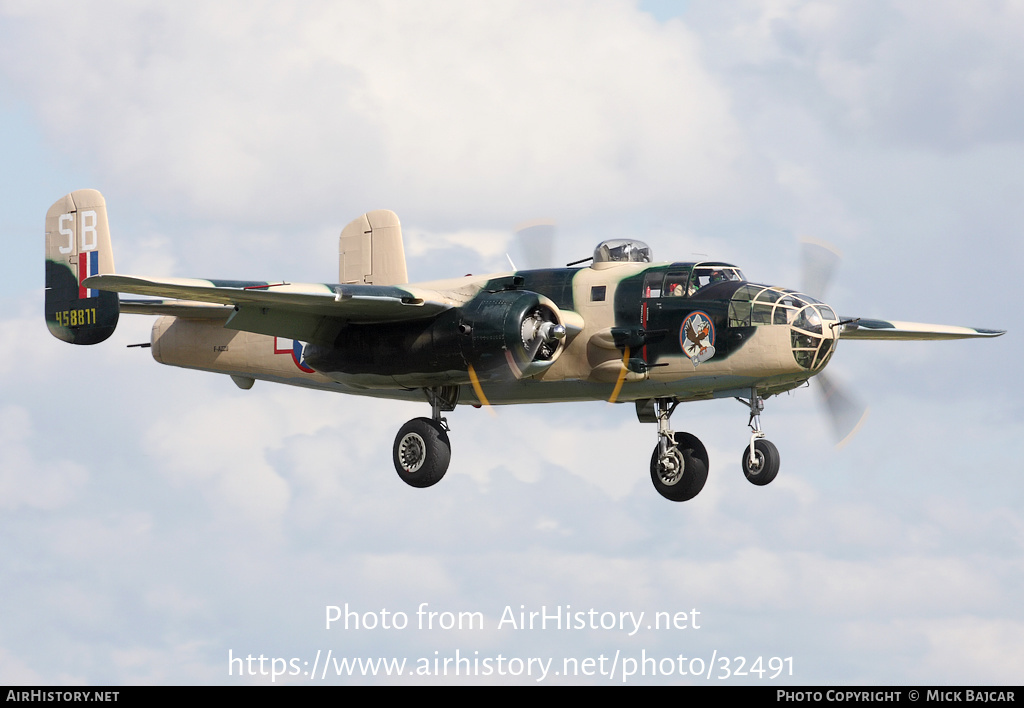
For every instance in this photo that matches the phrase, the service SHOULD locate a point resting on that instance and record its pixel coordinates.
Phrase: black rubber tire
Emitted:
(693, 458)
(768, 459)
(421, 452)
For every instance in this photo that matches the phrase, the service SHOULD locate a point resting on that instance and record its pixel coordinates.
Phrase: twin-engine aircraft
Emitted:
(621, 329)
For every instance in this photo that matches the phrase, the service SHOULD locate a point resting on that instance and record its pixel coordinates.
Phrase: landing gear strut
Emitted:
(761, 458)
(422, 451)
(679, 464)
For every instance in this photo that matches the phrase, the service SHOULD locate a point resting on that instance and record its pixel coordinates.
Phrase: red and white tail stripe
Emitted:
(88, 264)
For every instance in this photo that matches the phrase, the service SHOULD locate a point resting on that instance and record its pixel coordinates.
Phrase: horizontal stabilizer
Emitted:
(909, 331)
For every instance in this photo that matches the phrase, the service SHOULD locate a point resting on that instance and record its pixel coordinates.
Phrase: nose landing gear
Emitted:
(761, 458)
(761, 465)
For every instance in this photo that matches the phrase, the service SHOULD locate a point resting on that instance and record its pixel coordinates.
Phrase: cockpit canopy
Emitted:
(685, 279)
(711, 273)
(622, 251)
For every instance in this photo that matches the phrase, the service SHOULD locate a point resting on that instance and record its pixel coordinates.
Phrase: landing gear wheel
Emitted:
(766, 462)
(421, 452)
(682, 475)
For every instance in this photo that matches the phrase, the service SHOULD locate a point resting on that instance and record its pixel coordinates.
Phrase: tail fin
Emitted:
(370, 250)
(77, 246)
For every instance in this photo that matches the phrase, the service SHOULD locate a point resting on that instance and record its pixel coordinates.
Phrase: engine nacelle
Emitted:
(503, 334)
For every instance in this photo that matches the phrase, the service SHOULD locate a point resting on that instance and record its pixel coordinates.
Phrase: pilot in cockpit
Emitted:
(675, 288)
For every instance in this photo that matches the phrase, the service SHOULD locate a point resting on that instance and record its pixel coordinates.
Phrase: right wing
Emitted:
(909, 331)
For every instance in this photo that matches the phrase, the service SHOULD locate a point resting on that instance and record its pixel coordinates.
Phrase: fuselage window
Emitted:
(652, 285)
(675, 285)
(597, 293)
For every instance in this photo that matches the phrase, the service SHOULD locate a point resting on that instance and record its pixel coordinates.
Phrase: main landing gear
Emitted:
(679, 464)
(422, 451)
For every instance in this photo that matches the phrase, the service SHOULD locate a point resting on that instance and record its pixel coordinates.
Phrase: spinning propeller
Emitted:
(536, 242)
(540, 332)
(819, 261)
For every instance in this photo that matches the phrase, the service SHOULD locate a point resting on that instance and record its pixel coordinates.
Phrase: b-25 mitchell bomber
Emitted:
(621, 329)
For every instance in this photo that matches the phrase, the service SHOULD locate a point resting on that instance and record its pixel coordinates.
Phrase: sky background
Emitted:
(155, 519)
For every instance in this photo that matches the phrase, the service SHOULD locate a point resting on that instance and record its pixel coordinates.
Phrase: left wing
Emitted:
(304, 311)
(909, 331)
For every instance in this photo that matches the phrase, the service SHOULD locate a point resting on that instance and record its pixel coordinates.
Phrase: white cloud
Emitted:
(15, 672)
(486, 244)
(452, 107)
(941, 649)
(940, 75)
(27, 481)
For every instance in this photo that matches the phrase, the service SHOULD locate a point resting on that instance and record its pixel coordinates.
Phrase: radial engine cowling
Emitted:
(515, 333)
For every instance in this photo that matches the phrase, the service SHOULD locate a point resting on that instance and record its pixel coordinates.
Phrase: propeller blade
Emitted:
(622, 376)
(818, 263)
(536, 241)
(479, 391)
(845, 411)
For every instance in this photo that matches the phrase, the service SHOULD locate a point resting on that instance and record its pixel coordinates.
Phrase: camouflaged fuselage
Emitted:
(608, 310)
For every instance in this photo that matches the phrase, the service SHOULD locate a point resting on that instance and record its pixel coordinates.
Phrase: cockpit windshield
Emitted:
(709, 274)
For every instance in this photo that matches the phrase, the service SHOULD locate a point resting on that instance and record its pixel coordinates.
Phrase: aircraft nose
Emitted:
(813, 337)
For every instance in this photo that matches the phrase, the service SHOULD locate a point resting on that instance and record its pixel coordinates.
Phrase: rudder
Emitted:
(78, 246)
(370, 250)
